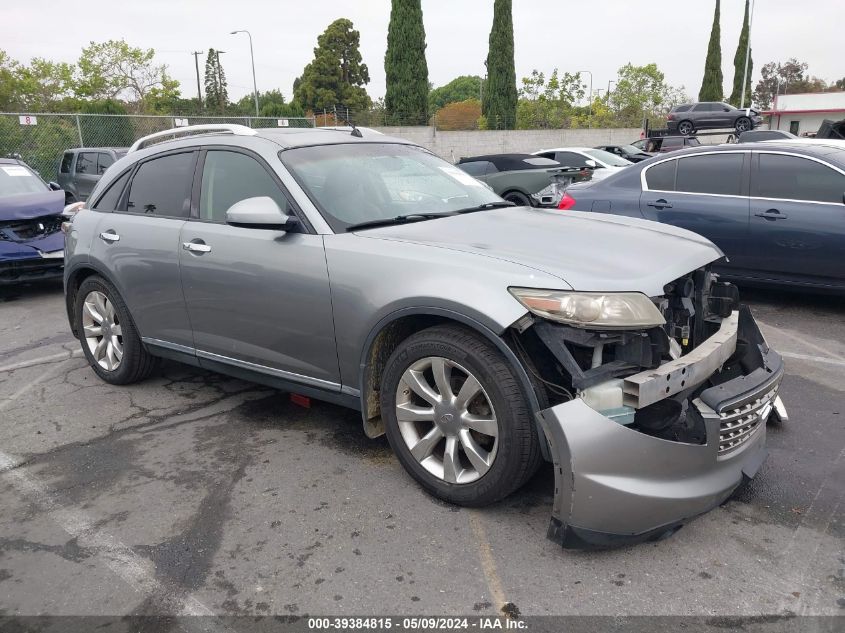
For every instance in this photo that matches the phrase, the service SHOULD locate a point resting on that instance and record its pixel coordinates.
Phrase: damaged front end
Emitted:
(651, 427)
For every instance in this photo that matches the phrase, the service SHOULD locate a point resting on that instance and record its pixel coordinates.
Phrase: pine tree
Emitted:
(500, 97)
(216, 94)
(406, 96)
(739, 66)
(711, 85)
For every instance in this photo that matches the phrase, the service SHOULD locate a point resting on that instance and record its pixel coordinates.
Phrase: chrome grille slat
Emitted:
(737, 426)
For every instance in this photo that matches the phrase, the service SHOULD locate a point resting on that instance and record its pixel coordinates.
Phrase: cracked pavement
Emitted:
(194, 493)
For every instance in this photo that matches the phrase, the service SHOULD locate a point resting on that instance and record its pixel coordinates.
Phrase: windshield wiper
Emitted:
(399, 219)
(486, 206)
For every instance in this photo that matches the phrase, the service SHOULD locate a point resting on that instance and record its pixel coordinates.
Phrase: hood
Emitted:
(587, 251)
(32, 205)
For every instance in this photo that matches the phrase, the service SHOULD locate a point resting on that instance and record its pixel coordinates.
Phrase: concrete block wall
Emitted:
(454, 145)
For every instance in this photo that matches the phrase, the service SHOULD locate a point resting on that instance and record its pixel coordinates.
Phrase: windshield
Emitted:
(630, 149)
(16, 180)
(607, 158)
(363, 182)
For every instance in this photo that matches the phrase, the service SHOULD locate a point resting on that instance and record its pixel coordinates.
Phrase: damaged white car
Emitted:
(479, 337)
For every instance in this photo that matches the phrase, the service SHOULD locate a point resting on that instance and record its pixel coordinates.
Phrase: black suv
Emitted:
(663, 144)
(711, 115)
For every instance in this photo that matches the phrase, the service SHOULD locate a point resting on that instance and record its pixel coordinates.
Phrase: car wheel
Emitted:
(685, 128)
(108, 336)
(69, 199)
(457, 418)
(743, 124)
(517, 198)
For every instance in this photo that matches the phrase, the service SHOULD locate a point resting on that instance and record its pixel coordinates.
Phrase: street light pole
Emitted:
(252, 59)
(196, 55)
(747, 56)
(590, 120)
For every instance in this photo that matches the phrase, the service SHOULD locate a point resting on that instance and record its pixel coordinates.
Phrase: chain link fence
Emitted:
(41, 139)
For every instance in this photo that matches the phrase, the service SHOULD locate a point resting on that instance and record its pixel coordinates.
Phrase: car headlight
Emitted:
(591, 309)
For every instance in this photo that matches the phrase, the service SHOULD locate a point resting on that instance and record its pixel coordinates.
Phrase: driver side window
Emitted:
(229, 177)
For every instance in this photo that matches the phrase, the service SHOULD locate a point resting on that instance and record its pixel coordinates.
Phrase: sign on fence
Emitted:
(282, 122)
(27, 119)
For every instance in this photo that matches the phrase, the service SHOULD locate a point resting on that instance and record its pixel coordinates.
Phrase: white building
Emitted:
(800, 113)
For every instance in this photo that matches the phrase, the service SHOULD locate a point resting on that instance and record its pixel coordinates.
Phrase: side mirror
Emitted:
(260, 212)
(591, 163)
(54, 186)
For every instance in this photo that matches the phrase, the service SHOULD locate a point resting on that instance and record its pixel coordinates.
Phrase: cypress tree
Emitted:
(711, 86)
(406, 96)
(739, 65)
(499, 98)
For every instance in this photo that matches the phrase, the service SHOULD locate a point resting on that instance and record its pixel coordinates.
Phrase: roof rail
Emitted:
(193, 130)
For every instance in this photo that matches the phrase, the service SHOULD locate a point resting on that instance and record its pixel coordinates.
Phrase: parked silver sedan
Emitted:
(479, 337)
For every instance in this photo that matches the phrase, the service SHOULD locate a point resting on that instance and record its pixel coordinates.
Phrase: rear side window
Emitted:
(661, 177)
(229, 177)
(104, 161)
(571, 159)
(711, 173)
(162, 186)
(796, 178)
(111, 198)
(475, 168)
(681, 108)
(86, 163)
(67, 159)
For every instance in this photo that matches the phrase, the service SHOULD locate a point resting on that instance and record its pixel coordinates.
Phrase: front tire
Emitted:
(743, 124)
(457, 418)
(108, 336)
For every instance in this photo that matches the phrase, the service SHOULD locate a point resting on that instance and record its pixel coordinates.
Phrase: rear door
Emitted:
(137, 241)
(258, 298)
(104, 161)
(797, 218)
(85, 174)
(706, 194)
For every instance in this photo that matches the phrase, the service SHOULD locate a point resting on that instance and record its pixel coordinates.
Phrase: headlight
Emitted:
(591, 309)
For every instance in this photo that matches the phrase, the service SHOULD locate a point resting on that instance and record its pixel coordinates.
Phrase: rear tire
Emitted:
(685, 128)
(108, 336)
(517, 198)
(494, 448)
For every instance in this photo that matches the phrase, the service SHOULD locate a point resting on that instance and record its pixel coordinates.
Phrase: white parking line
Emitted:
(826, 353)
(7, 402)
(41, 360)
(136, 571)
(813, 359)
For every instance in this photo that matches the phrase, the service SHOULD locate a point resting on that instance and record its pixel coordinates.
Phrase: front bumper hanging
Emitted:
(615, 485)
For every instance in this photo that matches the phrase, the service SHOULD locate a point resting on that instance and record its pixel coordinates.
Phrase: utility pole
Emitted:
(196, 55)
(747, 55)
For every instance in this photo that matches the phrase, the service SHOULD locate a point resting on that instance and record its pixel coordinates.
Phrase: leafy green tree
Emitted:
(499, 99)
(406, 94)
(216, 92)
(337, 75)
(459, 89)
(711, 85)
(641, 91)
(106, 131)
(548, 104)
(739, 66)
(116, 70)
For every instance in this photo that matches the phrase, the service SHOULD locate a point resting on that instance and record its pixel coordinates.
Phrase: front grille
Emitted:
(29, 229)
(737, 426)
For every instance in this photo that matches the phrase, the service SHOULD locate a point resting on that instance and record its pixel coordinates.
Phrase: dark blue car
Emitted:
(776, 209)
(31, 238)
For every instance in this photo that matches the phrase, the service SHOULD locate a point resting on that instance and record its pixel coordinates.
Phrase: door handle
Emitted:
(660, 204)
(771, 214)
(196, 247)
(109, 236)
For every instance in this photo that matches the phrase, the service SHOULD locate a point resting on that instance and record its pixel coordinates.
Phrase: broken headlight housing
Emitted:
(599, 310)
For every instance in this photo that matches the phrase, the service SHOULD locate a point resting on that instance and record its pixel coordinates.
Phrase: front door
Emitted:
(258, 298)
(138, 239)
(85, 173)
(797, 218)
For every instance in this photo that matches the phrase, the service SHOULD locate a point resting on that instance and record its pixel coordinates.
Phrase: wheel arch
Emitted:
(73, 280)
(521, 192)
(391, 330)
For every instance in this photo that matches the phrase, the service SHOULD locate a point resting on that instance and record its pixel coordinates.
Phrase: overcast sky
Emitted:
(572, 35)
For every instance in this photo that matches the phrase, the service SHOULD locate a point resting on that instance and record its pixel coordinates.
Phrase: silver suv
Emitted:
(479, 337)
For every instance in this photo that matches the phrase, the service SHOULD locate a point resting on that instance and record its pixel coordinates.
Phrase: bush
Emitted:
(461, 115)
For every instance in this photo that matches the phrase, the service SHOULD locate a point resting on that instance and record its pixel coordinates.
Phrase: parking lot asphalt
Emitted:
(193, 493)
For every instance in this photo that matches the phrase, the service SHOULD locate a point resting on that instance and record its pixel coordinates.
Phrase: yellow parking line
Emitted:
(488, 563)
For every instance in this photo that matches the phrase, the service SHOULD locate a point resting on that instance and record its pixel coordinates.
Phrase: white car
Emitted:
(604, 163)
